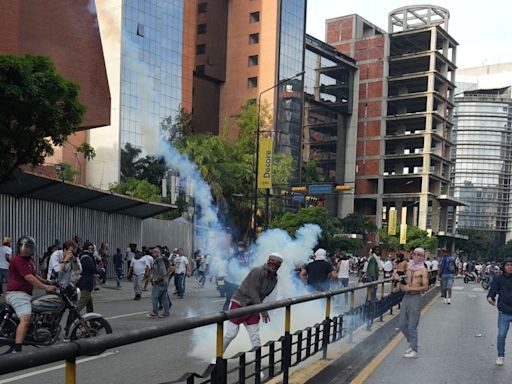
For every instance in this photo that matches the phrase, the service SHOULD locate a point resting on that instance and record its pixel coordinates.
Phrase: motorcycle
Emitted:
(47, 313)
(469, 277)
(485, 281)
(221, 287)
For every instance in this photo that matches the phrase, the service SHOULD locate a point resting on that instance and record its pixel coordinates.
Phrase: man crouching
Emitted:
(258, 284)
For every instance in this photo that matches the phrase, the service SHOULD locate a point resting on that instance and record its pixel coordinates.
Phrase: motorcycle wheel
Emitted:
(6, 348)
(97, 327)
(466, 280)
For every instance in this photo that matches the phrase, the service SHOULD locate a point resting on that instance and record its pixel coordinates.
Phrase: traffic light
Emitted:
(342, 188)
(299, 189)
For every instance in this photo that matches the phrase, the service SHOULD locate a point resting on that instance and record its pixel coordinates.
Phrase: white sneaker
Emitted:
(408, 350)
(448, 301)
(500, 361)
(411, 355)
(445, 300)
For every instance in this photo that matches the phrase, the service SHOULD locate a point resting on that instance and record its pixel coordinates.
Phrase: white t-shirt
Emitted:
(129, 254)
(343, 272)
(148, 260)
(180, 264)
(4, 250)
(435, 265)
(388, 266)
(139, 266)
(429, 264)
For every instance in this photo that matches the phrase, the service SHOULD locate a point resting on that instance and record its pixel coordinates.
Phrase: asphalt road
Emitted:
(154, 361)
(457, 345)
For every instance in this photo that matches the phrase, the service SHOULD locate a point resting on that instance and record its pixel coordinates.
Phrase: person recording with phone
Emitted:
(63, 262)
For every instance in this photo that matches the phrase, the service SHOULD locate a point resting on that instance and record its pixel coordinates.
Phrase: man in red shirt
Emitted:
(21, 280)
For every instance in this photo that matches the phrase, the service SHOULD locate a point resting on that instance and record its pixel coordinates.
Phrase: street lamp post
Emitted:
(256, 163)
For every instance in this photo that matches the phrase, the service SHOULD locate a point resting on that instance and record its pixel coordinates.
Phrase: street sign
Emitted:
(299, 197)
(319, 189)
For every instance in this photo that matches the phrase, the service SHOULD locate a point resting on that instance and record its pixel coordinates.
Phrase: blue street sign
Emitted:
(299, 197)
(319, 189)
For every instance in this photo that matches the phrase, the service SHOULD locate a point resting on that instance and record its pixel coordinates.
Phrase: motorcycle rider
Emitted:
(236, 269)
(22, 279)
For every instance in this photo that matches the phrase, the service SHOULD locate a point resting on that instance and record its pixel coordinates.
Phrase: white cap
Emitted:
(276, 257)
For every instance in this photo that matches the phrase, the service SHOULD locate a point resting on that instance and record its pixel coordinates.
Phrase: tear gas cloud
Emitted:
(295, 250)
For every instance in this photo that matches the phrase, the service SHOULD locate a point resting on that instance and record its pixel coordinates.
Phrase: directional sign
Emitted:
(319, 189)
(299, 197)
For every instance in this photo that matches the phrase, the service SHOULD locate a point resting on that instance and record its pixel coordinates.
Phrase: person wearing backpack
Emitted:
(447, 270)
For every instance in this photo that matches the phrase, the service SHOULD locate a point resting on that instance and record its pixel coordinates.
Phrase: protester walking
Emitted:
(5, 258)
(447, 271)
(138, 269)
(159, 279)
(416, 282)
(117, 260)
(502, 286)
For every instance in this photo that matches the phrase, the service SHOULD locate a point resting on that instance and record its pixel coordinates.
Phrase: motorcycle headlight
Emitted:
(77, 294)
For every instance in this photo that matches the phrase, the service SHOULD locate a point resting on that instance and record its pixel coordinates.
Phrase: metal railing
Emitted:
(282, 354)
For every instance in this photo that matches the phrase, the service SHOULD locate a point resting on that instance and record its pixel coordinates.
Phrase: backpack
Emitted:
(450, 266)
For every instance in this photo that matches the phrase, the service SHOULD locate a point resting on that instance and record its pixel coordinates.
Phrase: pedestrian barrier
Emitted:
(284, 353)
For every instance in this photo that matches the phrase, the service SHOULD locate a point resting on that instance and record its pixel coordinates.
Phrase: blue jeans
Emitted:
(159, 294)
(343, 283)
(119, 274)
(503, 325)
(179, 279)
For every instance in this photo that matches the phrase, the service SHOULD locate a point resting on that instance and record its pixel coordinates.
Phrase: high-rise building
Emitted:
(483, 157)
(406, 90)
(330, 122)
(65, 31)
(148, 51)
(243, 49)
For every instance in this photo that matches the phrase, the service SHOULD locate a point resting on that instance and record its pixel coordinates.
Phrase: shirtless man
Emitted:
(410, 309)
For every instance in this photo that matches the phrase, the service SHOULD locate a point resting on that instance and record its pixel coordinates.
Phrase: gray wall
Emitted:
(48, 221)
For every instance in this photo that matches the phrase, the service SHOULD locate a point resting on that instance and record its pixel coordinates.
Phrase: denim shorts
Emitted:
(447, 281)
(20, 301)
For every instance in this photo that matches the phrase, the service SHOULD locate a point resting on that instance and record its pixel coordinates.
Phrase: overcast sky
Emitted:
(483, 29)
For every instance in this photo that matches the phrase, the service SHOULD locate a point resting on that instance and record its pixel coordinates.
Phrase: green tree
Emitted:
(141, 189)
(478, 245)
(151, 168)
(129, 156)
(416, 237)
(310, 172)
(358, 224)
(38, 109)
(67, 172)
(177, 128)
(290, 222)
(506, 250)
(87, 150)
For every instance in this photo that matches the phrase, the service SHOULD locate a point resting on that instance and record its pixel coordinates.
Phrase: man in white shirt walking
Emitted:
(136, 273)
(343, 273)
(5, 258)
(181, 269)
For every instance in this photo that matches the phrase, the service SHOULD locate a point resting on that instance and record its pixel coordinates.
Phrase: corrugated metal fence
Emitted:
(48, 221)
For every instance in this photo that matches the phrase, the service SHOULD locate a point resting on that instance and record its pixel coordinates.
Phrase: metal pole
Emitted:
(71, 371)
(267, 210)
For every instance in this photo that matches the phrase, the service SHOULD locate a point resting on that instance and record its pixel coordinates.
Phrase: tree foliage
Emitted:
(141, 189)
(477, 246)
(87, 150)
(310, 173)
(151, 168)
(228, 166)
(358, 224)
(67, 172)
(416, 237)
(38, 109)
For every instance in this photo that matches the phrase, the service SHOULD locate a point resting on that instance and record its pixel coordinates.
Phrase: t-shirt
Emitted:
(148, 260)
(435, 265)
(344, 269)
(139, 266)
(180, 264)
(4, 250)
(318, 271)
(130, 255)
(18, 269)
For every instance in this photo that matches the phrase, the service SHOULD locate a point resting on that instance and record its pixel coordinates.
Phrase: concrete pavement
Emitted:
(457, 345)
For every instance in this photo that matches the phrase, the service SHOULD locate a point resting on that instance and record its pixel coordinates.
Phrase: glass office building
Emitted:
(289, 97)
(151, 70)
(483, 160)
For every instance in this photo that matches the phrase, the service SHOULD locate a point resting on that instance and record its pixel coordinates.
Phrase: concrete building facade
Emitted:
(67, 33)
(405, 115)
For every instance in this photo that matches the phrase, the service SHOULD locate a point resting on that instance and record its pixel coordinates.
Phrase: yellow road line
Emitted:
(377, 360)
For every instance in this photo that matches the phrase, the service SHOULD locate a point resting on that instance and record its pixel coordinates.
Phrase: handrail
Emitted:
(93, 346)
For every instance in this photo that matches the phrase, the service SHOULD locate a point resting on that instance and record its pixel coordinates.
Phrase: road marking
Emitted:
(125, 315)
(458, 288)
(478, 289)
(219, 301)
(377, 360)
(56, 367)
